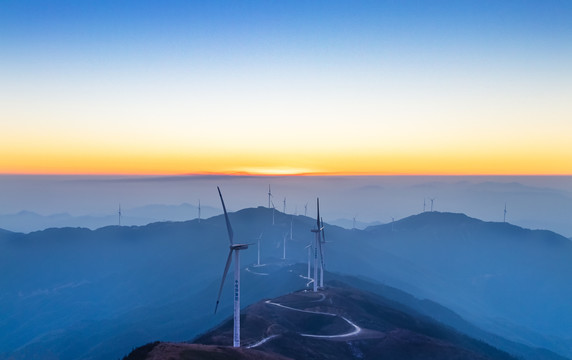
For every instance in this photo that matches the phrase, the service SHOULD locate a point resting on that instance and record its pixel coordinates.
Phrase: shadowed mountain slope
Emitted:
(345, 323)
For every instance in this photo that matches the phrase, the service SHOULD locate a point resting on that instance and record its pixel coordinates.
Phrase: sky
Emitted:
(286, 87)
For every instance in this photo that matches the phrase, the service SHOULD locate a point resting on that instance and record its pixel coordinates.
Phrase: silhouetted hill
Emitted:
(344, 323)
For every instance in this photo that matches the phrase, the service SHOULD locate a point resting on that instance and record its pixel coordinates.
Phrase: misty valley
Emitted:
(441, 283)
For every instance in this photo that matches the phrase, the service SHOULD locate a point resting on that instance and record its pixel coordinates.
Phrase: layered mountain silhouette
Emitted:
(71, 293)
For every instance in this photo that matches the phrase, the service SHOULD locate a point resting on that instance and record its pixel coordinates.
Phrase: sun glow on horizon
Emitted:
(165, 95)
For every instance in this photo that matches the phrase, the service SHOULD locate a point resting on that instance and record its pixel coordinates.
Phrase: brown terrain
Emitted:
(335, 323)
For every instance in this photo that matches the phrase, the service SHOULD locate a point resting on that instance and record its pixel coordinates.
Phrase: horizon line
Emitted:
(276, 175)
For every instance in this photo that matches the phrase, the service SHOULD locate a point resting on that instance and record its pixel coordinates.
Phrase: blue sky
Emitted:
(151, 78)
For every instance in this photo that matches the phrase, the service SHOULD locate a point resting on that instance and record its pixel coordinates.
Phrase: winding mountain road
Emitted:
(356, 329)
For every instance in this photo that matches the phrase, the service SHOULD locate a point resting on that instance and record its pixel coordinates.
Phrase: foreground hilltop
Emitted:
(337, 323)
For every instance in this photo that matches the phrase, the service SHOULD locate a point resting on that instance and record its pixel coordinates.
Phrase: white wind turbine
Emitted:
(269, 196)
(233, 248)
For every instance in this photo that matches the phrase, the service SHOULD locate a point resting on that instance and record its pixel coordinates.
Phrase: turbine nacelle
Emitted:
(239, 246)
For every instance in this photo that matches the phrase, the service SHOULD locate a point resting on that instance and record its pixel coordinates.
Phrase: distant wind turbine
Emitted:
(119, 214)
(269, 196)
(504, 219)
(284, 206)
(423, 204)
(432, 199)
(199, 210)
(306, 209)
(236, 249)
(273, 209)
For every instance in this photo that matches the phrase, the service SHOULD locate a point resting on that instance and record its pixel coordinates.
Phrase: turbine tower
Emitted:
(259, 237)
(317, 231)
(284, 206)
(306, 209)
(199, 210)
(432, 199)
(424, 205)
(273, 208)
(119, 214)
(236, 249)
(284, 246)
(322, 241)
(269, 196)
(309, 247)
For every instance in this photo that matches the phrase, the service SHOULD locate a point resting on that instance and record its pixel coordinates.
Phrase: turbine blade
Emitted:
(323, 232)
(228, 260)
(228, 227)
(318, 217)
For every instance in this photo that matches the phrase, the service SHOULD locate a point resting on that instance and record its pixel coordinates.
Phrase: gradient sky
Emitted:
(360, 87)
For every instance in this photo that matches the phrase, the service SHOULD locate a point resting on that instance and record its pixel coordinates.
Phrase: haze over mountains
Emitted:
(535, 202)
(78, 293)
(28, 221)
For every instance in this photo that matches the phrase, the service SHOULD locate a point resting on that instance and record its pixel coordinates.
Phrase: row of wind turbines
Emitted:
(235, 249)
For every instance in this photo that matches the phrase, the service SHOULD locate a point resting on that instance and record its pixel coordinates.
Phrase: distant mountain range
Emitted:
(71, 293)
(28, 221)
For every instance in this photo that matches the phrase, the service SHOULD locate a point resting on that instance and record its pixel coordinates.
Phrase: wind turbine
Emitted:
(119, 214)
(306, 209)
(199, 210)
(423, 204)
(317, 232)
(284, 206)
(269, 196)
(354, 224)
(432, 199)
(273, 208)
(504, 219)
(233, 248)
